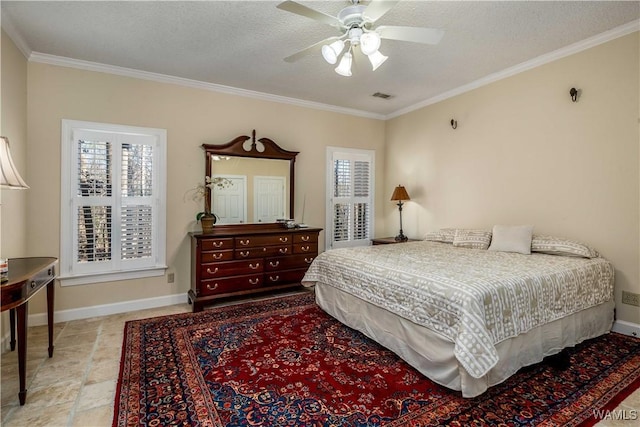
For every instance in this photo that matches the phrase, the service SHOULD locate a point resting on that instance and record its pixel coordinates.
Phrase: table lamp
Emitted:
(9, 176)
(399, 195)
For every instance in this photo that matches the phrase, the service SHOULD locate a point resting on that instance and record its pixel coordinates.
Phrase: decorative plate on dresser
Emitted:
(250, 249)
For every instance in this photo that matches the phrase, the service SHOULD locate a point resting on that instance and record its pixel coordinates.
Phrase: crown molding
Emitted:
(577, 47)
(14, 35)
(585, 44)
(195, 84)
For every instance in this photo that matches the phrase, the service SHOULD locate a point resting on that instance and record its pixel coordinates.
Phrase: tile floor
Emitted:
(76, 386)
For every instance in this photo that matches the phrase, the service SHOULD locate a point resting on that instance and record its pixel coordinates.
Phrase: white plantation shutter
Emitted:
(136, 220)
(113, 202)
(350, 210)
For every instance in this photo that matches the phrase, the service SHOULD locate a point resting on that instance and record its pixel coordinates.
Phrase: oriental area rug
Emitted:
(284, 362)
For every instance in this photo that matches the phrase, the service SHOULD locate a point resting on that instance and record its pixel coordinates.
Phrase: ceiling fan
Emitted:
(356, 22)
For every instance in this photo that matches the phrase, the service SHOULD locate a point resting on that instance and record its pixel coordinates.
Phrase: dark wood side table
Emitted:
(26, 277)
(389, 241)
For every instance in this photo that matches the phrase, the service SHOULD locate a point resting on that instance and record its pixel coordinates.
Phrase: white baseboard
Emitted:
(107, 309)
(96, 311)
(626, 328)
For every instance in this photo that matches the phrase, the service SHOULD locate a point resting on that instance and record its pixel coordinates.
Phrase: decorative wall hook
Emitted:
(574, 94)
(454, 124)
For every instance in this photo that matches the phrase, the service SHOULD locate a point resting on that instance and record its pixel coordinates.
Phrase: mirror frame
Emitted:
(236, 148)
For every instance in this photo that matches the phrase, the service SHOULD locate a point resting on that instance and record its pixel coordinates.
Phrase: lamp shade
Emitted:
(369, 42)
(9, 176)
(344, 68)
(400, 194)
(331, 51)
(376, 59)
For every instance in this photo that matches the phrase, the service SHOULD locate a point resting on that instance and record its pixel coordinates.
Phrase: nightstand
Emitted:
(388, 241)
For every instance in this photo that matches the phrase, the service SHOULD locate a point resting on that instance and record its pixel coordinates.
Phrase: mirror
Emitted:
(252, 181)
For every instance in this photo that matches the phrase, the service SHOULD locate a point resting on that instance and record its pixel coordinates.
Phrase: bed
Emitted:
(467, 318)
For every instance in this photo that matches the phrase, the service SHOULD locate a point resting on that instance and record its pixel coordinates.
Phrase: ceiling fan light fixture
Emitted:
(369, 42)
(330, 52)
(344, 68)
(377, 59)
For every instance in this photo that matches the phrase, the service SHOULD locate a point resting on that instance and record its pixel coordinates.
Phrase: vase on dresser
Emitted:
(207, 221)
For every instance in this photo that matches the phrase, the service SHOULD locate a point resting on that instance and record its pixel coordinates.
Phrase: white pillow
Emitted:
(512, 238)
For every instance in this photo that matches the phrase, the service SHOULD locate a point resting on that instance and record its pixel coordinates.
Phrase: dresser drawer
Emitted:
(288, 263)
(252, 241)
(270, 251)
(231, 268)
(217, 244)
(305, 248)
(288, 276)
(217, 256)
(230, 284)
(249, 253)
(263, 251)
(305, 237)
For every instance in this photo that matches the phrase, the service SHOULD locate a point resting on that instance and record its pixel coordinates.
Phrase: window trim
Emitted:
(371, 154)
(69, 277)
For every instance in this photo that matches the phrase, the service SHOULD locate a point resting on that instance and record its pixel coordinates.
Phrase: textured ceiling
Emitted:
(241, 44)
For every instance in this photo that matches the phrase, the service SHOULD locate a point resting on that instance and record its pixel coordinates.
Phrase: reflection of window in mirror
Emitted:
(259, 193)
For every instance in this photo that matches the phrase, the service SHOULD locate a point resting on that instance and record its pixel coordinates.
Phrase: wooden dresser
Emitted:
(247, 259)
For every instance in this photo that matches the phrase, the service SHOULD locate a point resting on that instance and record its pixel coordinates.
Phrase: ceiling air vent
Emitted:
(381, 95)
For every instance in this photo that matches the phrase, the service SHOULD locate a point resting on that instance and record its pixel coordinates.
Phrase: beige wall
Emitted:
(192, 117)
(13, 125)
(523, 153)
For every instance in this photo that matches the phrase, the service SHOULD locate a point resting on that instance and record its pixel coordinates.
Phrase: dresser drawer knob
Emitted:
(305, 248)
(254, 266)
(274, 264)
(308, 260)
(218, 244)
(50, 272)
(33, 284)
(212, 288)
(217, 256)
(305, 238)
(284, 239)
(254, 281)
(244, 254)
(215, 270)
(244, 242)
(274, 279)
(284, 250)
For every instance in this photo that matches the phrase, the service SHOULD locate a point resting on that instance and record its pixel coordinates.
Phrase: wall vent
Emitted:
(381, 95)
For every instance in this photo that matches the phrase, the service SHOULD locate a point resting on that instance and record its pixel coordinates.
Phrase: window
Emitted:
(113, 202)
(350, 208)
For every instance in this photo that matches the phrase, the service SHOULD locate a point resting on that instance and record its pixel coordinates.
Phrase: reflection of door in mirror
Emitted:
(266, 192)
(268, 197)
(229, 199)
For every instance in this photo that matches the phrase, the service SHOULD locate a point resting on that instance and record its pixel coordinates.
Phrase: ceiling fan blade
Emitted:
(410, 34)
(298, 9)
(377, 8)
(309, 49)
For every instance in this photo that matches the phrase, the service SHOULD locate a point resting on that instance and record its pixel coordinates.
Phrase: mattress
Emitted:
(480, 303)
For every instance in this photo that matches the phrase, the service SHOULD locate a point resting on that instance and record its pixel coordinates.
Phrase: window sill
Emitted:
(86, 279)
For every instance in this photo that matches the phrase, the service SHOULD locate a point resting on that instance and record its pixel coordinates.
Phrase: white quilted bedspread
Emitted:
(476, 298)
